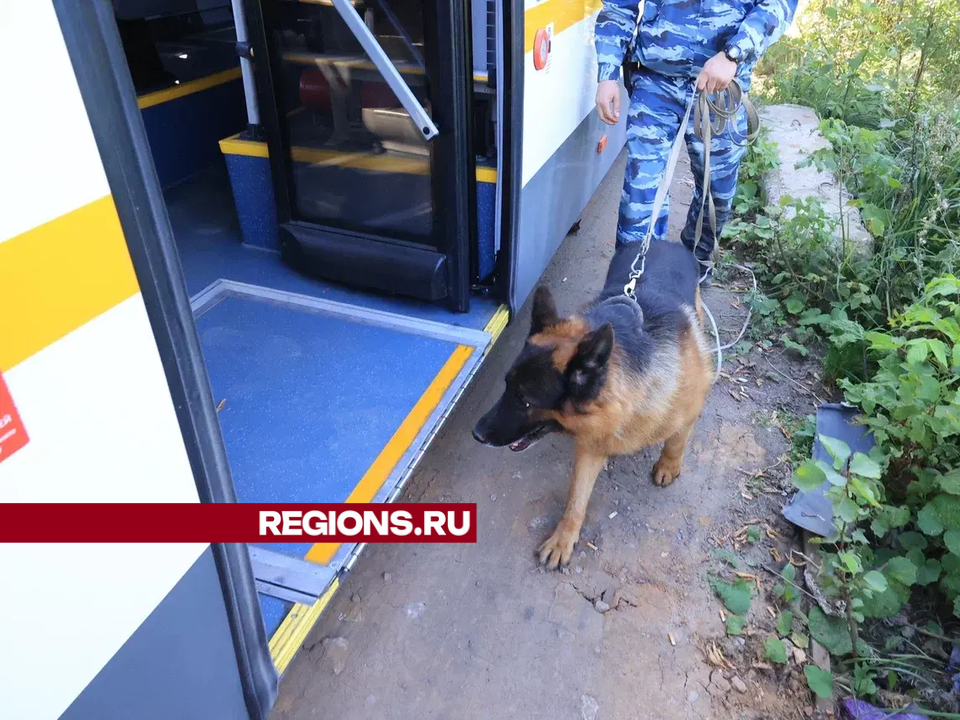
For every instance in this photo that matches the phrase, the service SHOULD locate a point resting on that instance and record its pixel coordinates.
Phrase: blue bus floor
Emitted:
(307, 401)
(273, 610)
(207, 233)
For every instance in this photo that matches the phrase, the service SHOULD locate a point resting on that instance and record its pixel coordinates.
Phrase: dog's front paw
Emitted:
(666, 471)
(558, 549)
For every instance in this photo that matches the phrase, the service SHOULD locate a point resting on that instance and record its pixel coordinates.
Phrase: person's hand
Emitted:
(716, 75)
(608, 101)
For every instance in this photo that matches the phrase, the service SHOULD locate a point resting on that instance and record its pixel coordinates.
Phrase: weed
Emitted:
(882, 77)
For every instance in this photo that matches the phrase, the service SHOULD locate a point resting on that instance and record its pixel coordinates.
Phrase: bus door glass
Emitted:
(369, 107)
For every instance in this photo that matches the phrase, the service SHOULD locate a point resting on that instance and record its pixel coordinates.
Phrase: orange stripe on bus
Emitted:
(562, 13)
(387, 460)
(59, 276)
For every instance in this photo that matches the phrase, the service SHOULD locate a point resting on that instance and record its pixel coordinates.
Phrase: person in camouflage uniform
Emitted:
(677, 42)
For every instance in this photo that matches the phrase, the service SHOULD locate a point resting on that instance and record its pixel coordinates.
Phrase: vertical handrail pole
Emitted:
(246, 65)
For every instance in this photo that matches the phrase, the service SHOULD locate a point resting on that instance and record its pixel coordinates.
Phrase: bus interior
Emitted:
(342, 269)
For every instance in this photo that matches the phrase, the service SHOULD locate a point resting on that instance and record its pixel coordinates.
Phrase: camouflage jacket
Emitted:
(676, 37)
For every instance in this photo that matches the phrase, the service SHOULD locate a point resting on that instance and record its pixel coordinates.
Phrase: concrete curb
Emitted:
(796, 131)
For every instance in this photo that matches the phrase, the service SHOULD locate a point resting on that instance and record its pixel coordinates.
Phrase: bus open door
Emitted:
(102, 378)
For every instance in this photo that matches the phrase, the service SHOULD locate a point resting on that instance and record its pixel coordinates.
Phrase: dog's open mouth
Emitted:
(530, 438)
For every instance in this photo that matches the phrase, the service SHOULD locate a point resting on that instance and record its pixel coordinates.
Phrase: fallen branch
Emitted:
(790, 582)
(937, 636)
(817, 594)
(805, 557)
(761, 473)
(928, 713)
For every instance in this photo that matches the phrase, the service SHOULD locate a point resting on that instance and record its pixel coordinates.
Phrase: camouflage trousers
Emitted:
(657, 105)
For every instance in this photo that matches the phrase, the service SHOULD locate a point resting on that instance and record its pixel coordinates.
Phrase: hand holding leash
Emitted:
(717, 74)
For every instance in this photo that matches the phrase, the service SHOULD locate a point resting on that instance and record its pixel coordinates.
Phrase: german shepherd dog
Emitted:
(619, 376)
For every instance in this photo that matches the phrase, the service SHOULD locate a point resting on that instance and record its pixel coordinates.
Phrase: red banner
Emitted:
(241, 522)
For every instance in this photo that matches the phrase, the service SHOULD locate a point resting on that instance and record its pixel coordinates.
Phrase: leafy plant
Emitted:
(912, 405)
(728, 557)
(831, 632)
(784, 623)
(863, 680)
(794, 253)
(864, 62)
(775, 650)
(735, 624)
(801, 437)
(820, 681)
(882, 77)
(897, 512)
(761, 159)
(855, 493)
(736, 596)
(911, 402)
(787, 589)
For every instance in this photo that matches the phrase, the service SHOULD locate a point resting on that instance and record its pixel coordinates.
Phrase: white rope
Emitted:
(746, 323)
(716, 332)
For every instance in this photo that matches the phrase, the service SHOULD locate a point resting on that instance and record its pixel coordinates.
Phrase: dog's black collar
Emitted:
(617, 304)
(625, 300)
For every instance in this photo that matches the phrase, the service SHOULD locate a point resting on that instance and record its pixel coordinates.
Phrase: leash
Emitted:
(723, 113)
(713, 114)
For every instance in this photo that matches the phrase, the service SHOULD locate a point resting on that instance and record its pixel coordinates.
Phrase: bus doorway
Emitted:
(339, 272)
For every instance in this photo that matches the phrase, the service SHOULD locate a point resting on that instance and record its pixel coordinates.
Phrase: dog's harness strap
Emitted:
(710, 117)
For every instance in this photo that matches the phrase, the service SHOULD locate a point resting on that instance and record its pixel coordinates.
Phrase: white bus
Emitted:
(252, 252)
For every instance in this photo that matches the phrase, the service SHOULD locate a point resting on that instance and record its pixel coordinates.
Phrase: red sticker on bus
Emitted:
(541, 49)
(13, 435)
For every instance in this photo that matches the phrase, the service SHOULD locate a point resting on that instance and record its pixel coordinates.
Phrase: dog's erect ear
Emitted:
(587, 369)
(544, 311)
(595, 348)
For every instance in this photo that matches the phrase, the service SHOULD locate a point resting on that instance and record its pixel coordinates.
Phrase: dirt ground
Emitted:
(479, 631)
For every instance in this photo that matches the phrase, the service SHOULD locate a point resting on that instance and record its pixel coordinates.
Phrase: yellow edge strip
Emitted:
(187, 88)
(296, 626)
(59, 276)
(388, 458)
(562, 13)
(362, 161)
(496, 325)
(486, 175)
(357, 63)
(233, 145)
(300, 620)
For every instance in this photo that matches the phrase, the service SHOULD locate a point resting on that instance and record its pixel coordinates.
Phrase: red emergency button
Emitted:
(13, 436)
(541, 49)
